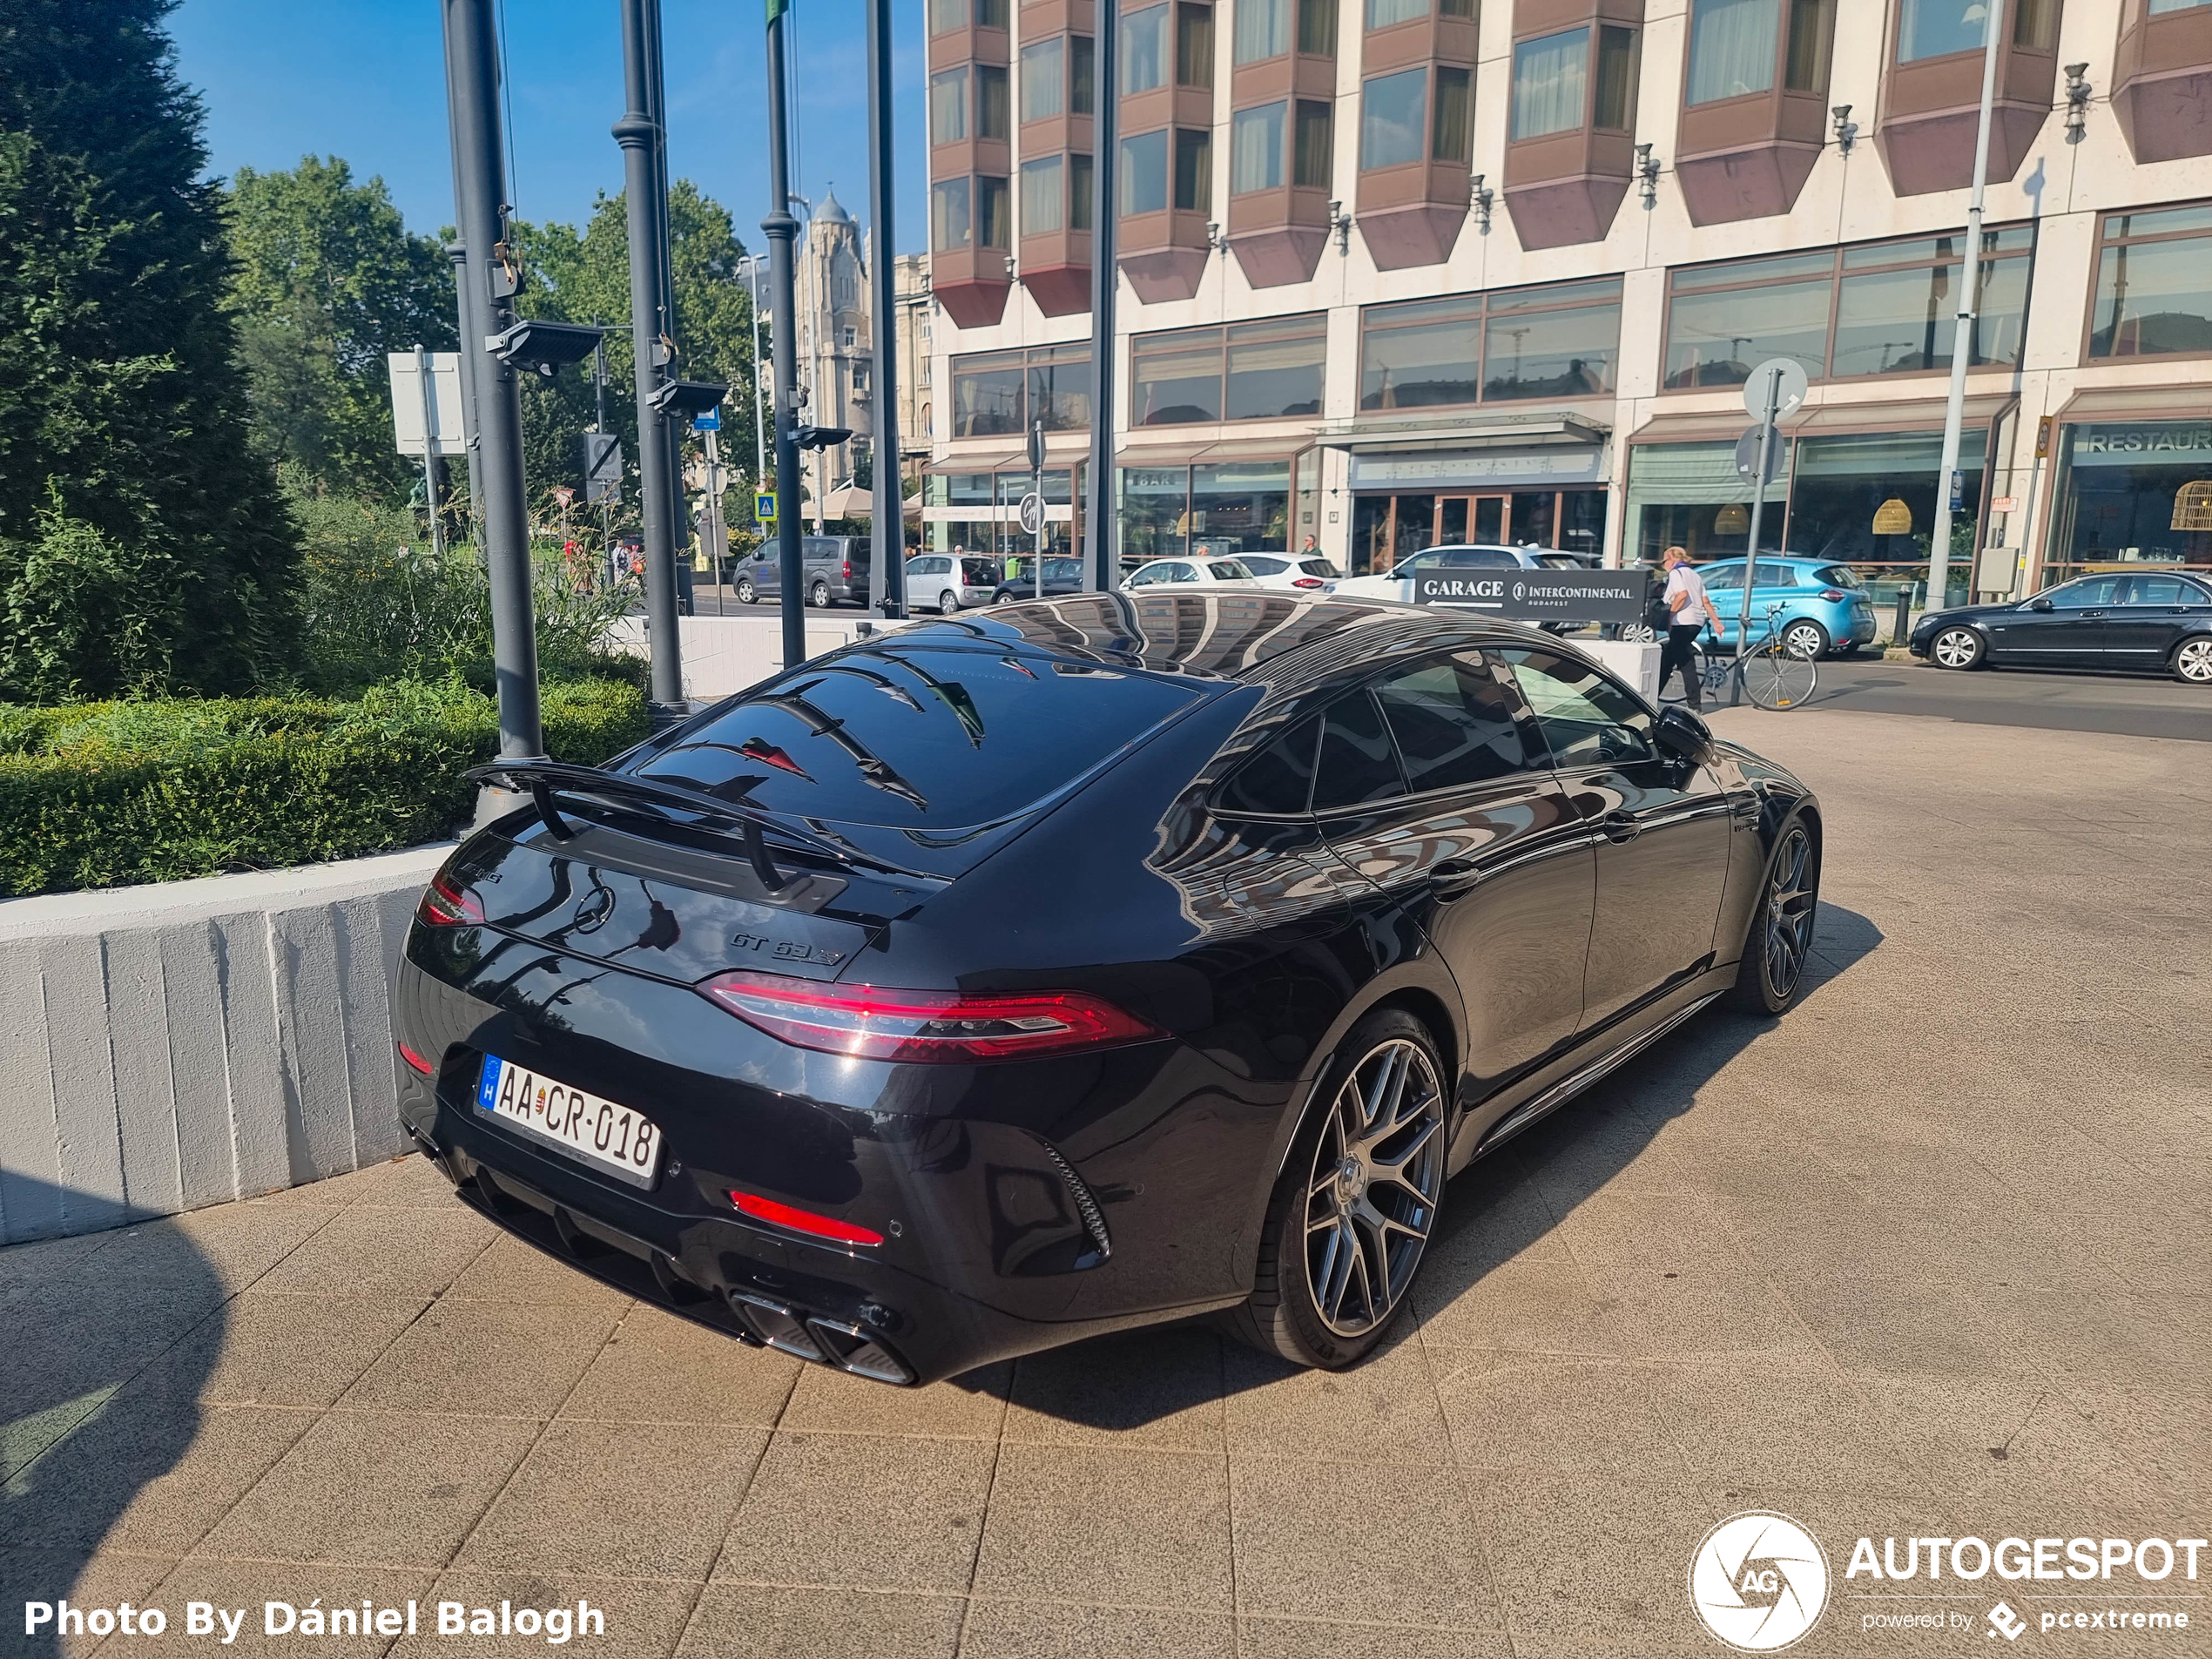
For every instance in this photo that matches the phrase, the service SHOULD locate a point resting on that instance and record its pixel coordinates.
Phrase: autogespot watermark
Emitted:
(1760, 1581)
(316, 1624)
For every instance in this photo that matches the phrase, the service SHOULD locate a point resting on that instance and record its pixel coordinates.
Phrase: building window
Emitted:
(1194, 170)
(1938, 28)
(990, 101)
(1193, 44)
(1044, 87)
(1144, 174)
(944, 16)
(1080, 188)
(1558, 341)
(1042, 184)
(992, 229)
(1733, 44)
(1393, 119)
(1454, 136)
(1144, 49)
(1316, 27)
(2132, 492)
(2154, 284)
(998, 393)
(1263, 30)
(1876, 308)
(1313, 159)
(1081, 56)
(1175, 512)
(1550, 78)
(2035, 25)
(948, 106)
(1059, 388)
(1255, 371)
(1615, 111)
(990, 14)
(1256, 150)
(949, 210)
(1456, 7)
(1381, 14)
(1812, 34)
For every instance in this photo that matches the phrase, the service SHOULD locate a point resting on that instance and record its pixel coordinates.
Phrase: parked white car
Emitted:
(1210, 573)
(942, 582)
(1398, 581)
(1299, 572)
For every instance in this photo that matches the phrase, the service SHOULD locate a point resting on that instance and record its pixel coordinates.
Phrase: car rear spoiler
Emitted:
(547, 781)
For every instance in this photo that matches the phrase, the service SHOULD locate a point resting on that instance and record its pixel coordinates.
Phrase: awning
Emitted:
(1371, 436)
(2139, 403)
(854, 501)
(1920, 414)
(1703, 426)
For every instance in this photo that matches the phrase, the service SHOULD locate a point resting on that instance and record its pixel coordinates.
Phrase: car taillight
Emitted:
(846, 570)
(1307, 582)
(873, 1022)
(803, 1221)
(445, 905)
(417, 1061)
(1833, 595)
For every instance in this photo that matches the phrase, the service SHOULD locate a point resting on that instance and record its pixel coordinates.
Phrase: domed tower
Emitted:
(834, 343)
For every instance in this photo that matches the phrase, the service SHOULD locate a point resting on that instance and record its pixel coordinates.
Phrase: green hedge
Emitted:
(107, 794)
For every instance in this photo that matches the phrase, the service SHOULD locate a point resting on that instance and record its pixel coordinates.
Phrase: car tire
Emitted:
(1957, 647)
(1004, 599)
(818, 596)
(1805, 639)
(2193, 660)
(1771, 971)
(1331, 1171)
(747, 594)
(947, 603)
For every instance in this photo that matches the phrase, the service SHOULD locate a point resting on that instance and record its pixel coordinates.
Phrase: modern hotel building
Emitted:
(1400, 272)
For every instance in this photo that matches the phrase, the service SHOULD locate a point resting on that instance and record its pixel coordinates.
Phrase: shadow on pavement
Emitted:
(1127, 1381)
(105, 1341)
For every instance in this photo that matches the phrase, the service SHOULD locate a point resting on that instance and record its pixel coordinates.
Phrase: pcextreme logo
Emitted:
(1759, 1581)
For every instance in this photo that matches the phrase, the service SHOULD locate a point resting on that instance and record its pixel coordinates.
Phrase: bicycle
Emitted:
(1774, 676)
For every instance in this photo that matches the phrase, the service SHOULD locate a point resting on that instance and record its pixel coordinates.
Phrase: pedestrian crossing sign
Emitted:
(764, 506)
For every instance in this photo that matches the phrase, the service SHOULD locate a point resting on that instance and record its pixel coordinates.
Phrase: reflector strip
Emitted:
(805, 1221)
(417, 1061)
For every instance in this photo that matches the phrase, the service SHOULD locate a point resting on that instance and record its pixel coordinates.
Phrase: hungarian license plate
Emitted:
(603, 1133)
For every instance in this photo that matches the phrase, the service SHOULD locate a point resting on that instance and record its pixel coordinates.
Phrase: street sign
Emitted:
(710, 422)
(1789, 392)
(1032, 514)
(602, 468)
(764, 506)
(443, 406)
(1036, 446)
(1541, 596)
(563, 493)
(1747, 457)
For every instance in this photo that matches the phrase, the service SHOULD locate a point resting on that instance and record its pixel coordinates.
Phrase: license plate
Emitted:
(603, 1133)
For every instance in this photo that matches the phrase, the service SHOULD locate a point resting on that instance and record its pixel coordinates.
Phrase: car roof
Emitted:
(1286, 641)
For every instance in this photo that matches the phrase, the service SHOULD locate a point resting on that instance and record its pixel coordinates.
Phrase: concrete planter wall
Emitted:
(726, 654)
(166, 1046)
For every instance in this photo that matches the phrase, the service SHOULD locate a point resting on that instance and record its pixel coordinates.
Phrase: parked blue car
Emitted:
(1824, 608)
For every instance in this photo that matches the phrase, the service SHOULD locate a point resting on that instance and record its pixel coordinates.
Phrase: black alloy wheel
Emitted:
(1780, 938)
(1956, 647)
(818, 595)
(747, 594)
(1350, 1220)
(1006, 599)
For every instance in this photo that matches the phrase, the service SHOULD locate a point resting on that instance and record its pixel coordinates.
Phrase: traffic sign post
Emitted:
(1033, 504)
(763, 508)
(1776, 388)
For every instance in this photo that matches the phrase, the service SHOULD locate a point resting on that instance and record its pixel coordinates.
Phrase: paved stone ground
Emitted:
(1927, 1257)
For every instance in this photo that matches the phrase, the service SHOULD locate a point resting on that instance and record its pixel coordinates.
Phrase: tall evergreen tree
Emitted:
(142, 543)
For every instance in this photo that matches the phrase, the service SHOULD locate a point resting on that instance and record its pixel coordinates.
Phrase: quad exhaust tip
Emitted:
(820, 1341)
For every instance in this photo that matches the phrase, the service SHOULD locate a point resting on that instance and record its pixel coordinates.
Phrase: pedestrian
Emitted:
(1312, 546)
(1688, 614)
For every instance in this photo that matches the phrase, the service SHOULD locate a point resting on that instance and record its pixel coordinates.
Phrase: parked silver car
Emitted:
(944, 583)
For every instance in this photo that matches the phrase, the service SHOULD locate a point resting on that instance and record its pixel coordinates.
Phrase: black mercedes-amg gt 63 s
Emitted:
(1071, 966)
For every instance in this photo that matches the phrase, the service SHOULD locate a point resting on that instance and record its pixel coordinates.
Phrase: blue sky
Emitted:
(365, 80)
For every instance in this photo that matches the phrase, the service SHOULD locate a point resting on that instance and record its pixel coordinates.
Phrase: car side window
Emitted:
(2095, 593)
(1775, 575)
(1728, 581)
(1358, 763)
(1455, 724)
(2159, 591)
(1228, 570)
(1179, 572)
(1587, 719)
(1279, 778)
(1265, 567)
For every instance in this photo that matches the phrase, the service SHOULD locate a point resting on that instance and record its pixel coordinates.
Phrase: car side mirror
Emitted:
(1682, 734)
(2039, 604)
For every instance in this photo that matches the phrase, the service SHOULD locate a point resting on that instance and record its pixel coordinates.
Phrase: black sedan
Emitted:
(1061, 578)
(2147, 622)
(1081, 965)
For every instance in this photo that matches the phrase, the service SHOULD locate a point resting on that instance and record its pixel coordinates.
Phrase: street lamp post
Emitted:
(781, 230)
(889, 562)
(472, 78)
(638, 133)
(1105, 276)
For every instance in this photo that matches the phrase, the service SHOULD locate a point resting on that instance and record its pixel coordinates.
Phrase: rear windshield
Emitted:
(918, 739)
(1320, 568)
(1559, 561)
(1839, 575)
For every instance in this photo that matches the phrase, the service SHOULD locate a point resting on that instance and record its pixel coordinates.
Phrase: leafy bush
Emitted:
(105, 794)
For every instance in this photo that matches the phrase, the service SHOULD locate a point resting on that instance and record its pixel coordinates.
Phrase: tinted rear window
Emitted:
(1358, 763)
(1279, 778)
(920, 739)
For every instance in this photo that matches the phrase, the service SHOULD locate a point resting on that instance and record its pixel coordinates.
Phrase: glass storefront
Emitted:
(2137, 492)
(1388, 527)
(979, 512)
(1690, 495)
(1235, 507)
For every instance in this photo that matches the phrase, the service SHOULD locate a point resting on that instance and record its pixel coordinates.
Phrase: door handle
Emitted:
(2093, 613)
(1456, 876)
(1621, 826)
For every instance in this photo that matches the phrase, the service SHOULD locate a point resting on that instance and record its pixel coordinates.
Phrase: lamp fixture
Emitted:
(1481, 195)
(1845, 129)
(2077, 102)
(1216, 239)
(1647, 172)
(1340, 222)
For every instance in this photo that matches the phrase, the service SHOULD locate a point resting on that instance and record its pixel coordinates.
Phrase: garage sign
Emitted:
(1539, 596)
